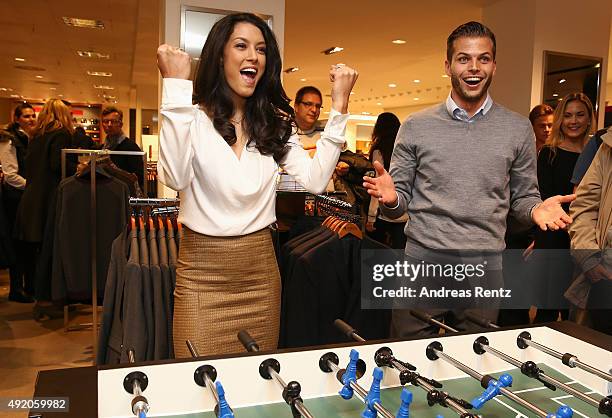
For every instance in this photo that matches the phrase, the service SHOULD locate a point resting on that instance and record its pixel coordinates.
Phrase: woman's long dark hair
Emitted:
(383, 136)
(270, 120)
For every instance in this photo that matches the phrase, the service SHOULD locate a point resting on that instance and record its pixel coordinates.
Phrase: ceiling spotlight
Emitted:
(563, 80)
(365, 113)
(19, 59)
(555, 94)
(302, 79)
(416, 81)
(332, 50)
(52, 88)
(379, 104)
(392, 85)
(398, 41)
(444, 76)
(76, 22)
(15, 96)
(292, 69)
(100, 73)
(352, 92)
(98, 86)
(39, 76)
(92, 54)
(416, 99)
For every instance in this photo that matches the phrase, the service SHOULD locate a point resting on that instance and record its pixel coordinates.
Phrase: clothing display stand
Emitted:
(94, 278)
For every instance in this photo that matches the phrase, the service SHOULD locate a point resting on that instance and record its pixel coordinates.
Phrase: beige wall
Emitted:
(403, 112)
(513, 22)
(5, 111)
(526, 28)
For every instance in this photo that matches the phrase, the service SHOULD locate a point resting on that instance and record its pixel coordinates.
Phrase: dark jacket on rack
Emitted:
(71, 278)
(322, 282)
(43, 174)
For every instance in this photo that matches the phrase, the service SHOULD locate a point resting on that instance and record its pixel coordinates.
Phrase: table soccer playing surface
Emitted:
(465, 388)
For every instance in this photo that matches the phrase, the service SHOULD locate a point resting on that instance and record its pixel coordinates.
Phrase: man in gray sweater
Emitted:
(459, 168)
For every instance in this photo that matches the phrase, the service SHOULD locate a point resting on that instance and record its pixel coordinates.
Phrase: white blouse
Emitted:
(220, 194)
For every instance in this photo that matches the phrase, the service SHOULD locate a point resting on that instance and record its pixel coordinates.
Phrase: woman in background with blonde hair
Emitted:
(573, 122)
(52, 133)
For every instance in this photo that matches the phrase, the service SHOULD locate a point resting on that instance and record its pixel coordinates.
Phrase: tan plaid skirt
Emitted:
(224, 285)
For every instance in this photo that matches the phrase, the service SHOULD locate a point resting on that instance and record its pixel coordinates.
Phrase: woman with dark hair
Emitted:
(384, 230)
(13, 148)
(223, 154)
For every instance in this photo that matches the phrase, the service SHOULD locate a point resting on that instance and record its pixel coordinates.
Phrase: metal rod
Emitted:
(509, 394)
(593, 370)
(298, 405)
(362, 393)
(302, 409)
(503, 356)
(94, 255)
(543, 377)
(467, 370)
(426, 386)
(210, 384)
(543, 348)
(573, 362)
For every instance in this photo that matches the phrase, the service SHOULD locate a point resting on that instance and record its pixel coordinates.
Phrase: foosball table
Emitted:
(557, 370)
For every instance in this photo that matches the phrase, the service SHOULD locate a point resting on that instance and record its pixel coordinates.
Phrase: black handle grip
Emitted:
(344, 328)
(421, 315)
(247, 341)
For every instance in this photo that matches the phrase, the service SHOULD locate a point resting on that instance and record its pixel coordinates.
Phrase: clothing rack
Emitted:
(330, 206)
(93, 203)
(139, 201)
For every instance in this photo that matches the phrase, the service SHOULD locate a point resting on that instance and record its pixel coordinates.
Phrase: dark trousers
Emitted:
(405, 325)
(22, 270)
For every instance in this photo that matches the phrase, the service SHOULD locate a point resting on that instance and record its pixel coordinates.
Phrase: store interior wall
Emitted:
(525, 29)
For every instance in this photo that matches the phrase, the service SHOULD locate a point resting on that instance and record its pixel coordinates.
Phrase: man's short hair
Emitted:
(307, 89)
(19, 110)
(469, 30)
(540, 110)
(112, 109)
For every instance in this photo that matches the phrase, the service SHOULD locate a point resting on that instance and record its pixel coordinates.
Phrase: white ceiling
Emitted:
(34, 30)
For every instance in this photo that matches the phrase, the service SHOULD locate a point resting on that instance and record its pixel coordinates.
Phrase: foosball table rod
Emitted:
(205, 376)
(348, 377)
(269, 369)
(435, 351)
(530, 369)
(135, 383)
(524, 340)
(384, 357)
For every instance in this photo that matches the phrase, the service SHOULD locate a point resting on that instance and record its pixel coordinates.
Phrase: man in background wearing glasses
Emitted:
(307, 105)
(112, 123)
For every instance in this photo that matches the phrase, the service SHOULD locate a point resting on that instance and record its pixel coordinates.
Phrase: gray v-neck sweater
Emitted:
(458, 180)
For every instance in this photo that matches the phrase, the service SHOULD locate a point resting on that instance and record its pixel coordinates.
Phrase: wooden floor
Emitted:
(27, 346)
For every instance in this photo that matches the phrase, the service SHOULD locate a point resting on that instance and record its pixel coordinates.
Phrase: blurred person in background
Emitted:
(52, 133)
(573, 121)
(13, 148)
(591, 239)
(541, 118)
(385, 230)
(112, 123)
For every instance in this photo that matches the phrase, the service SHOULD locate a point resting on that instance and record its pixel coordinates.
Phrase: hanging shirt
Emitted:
(222, 195)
